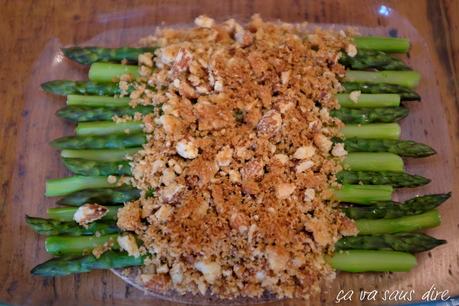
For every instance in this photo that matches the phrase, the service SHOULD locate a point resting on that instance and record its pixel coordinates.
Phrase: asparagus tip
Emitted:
(47, 269)
(69, 52)
(441, 241)
(29, 220)
(37, 271)
(445, 196)
(46, 86)
(430, 151)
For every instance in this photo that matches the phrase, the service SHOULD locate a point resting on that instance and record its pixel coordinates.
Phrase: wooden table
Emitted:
(26, 27)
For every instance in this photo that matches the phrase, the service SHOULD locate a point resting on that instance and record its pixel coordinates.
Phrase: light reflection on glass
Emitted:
(384, 10)
(58, 58)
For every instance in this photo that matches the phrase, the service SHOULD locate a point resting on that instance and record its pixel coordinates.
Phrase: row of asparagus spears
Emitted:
(388, 230)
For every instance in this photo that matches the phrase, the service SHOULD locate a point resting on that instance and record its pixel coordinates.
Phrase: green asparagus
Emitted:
(373, 261)
(399, 225)
(79, 245)
(87, 113)
(390, 209)
(395, 179)
(96, 101)
(404, 148)
(372, 131)
(363, 194)
(403, 242)
(67, 185)
(409, 79)
(368, 100)
(89, 55)
(62, 266)
(105, 196)
(97, 168)
(381, 43)
(53, 228)
(109, 162)
(67, 87)
(405, 93)
(370, 115)
(373, 162)
(107, 155)
(108, 127)
(65, 214)
(106, 72)
(365, 59)
(111, 141)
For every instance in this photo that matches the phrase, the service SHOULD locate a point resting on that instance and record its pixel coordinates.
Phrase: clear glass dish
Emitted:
(426, 123)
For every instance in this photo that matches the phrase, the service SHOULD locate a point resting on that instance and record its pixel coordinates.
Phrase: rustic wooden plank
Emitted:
(27, 27)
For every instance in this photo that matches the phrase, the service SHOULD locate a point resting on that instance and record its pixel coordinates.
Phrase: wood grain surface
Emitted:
(27, 28)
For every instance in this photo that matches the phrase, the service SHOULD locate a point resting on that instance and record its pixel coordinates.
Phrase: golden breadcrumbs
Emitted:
(240, 158)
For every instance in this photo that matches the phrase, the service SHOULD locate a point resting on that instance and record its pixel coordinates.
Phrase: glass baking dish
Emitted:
(426, 124)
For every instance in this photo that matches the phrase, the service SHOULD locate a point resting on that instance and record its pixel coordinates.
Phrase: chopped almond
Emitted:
(270, 123)
(284, 190)
(88, 213)
(128, 243)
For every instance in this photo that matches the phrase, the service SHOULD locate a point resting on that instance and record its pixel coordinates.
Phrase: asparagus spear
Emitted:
(79, 113)
(350, 261)
(381, 43)
(87, 113)
(67, 87)
(404, 148)
(363, 194)
(53, 228)
(89, 55)
(389, 209)
(97, 101)
(365, 59)
(372, 100)
(79, 245)
(112, 141)
(370, 115)
(110, 162)
(97, 168)
(372, 131)
(403, 242)
(107, 155)
(106, 72)
(65, 214)
(373, 162)
(67, 185)
(105, 196)
(62, 266)
(405, 93)
(373, 261)
(409, 79)
(108, 127)
(395, 179)
(82, 93)
(399, 225)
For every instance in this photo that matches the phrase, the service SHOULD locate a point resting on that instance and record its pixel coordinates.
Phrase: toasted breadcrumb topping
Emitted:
(241, 159)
